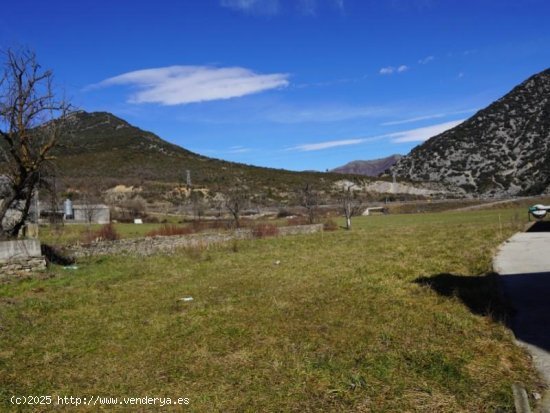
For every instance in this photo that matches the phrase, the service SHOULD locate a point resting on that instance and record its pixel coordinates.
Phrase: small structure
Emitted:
(94, 214)
(79, 213)
(368, 211)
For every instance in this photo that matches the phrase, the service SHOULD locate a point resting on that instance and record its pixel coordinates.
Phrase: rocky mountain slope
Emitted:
(503, 149)
(368, 168)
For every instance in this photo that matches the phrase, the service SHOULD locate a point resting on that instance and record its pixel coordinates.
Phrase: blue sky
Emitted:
(294, 84)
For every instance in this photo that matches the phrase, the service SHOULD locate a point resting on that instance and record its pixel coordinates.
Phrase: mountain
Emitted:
(368, 168)
(100, 151)
(503, 149)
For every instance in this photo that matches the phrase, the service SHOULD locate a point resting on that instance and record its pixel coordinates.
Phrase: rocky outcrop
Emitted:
(503, 149)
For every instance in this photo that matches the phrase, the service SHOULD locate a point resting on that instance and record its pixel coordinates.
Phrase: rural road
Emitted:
(523, 263)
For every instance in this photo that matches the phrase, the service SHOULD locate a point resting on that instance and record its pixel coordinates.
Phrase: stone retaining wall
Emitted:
(22, 266)
(20, 257)
(151, 245)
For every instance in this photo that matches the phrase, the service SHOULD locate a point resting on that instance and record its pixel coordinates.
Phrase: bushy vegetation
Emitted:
(169, 230)
(106, 232)
(263, 230)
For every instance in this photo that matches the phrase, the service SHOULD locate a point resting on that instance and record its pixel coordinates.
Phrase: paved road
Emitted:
(524, 265)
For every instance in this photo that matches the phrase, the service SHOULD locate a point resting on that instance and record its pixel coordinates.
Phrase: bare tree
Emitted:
(196, 198)
(89, 207)
(309, 199)
(236, 199)
(136, 207)
(28, 132)
(351, 203)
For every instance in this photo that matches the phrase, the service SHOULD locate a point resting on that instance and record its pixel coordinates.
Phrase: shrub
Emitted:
(169, 230)
(106, 233)
(284, 213)
(330, 225)
(298, 220)
(264, 230)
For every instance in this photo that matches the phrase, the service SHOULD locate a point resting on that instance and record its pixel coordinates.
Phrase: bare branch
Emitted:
(30, 121)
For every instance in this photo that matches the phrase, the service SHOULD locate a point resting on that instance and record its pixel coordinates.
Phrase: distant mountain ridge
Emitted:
(102, 151)
(503, 149)
(368, 168)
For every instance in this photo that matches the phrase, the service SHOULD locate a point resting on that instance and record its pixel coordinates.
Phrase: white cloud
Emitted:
(325, 145)
(321, 113)
(339, 4)
(390, 70)
(413, 135)
(426, 60)
(427, 117)
(239, 149)
(423, 134)
(178, 85)
(264, 7)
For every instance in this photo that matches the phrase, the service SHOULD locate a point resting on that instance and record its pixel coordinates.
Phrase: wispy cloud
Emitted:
(427, 117)
(262, 7)
(293, 114)
(311, 7)
(238, 149)
(307, 7)
(274, 7)
(333, 82)
(390, 70)
(412, 135)
(426, 60)
(307, 147)
(178, 85)
(423, 134)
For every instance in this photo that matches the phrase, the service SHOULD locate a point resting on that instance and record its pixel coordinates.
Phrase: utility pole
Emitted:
(188, 178)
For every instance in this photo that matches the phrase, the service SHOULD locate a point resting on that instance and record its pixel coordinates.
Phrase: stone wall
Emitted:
(151, 245)
(22, 266)
(20, 257)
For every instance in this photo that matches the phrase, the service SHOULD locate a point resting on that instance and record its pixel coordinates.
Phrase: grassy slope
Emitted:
(102, 150)
(339, 325)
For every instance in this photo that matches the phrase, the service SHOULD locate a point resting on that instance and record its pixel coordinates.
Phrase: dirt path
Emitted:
(523, 262)
(489, 204)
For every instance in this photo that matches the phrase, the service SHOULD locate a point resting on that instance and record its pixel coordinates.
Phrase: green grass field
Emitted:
(400, 314)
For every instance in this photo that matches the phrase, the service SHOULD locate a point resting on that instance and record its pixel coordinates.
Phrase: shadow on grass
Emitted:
(481, 294)
(56, 256)
(520, 301)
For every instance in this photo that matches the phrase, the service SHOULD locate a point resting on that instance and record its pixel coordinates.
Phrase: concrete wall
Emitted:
(160, 244)
(20, 257)
(23, 248)
(99, 214)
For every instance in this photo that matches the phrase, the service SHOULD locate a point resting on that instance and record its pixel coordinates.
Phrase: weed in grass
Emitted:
(106, 232)
(264, 230)
(170, 230)
(330, 225)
